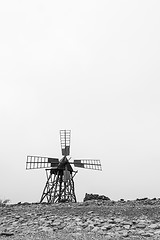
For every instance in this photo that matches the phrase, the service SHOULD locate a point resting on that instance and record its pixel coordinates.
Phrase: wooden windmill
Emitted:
(60, 185)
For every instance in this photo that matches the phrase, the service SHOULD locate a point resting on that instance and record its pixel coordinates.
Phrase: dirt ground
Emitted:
(89, 220)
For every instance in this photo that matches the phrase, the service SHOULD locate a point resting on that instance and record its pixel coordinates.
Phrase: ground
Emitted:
(138, 219)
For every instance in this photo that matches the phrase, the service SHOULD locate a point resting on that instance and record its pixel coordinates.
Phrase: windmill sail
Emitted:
(36, 162)
(88, 163)
(65, 136)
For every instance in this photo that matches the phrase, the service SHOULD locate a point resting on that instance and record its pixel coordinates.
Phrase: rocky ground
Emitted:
(95, 219)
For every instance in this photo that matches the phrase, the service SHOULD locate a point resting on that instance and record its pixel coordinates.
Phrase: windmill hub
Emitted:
(59, 186)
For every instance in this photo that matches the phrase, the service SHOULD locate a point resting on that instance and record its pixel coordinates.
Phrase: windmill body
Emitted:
(59, 186)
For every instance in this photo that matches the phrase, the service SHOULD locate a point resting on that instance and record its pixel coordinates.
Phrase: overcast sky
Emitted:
(89, 66)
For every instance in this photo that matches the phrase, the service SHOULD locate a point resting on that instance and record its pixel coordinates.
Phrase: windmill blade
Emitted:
(88, 163)
(65, 136)
(36, 162)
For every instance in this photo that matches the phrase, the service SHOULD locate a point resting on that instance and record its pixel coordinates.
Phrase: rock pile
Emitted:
(91, 196)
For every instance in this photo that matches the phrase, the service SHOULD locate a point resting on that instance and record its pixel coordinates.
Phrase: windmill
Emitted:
(59, 186)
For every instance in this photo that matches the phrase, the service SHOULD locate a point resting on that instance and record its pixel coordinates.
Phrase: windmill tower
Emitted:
(59, 186)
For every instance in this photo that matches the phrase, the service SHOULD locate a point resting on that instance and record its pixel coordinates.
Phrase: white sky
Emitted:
(89, 66)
